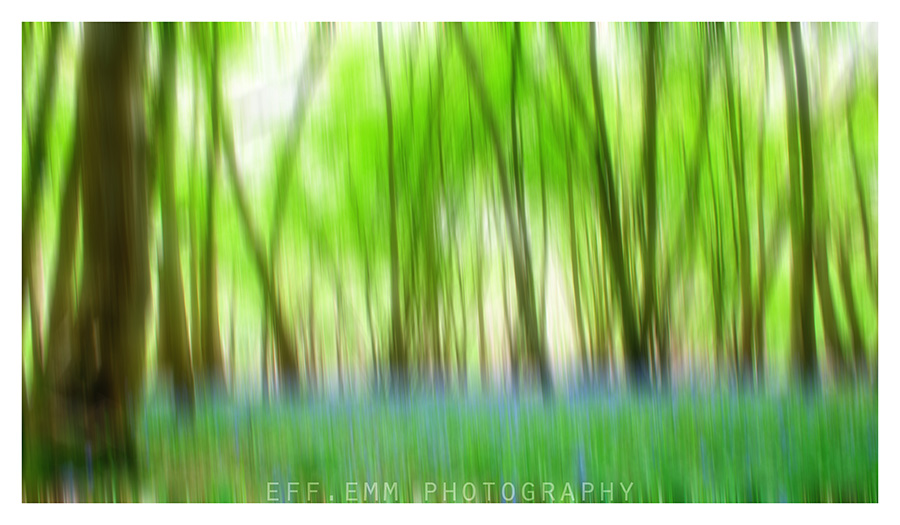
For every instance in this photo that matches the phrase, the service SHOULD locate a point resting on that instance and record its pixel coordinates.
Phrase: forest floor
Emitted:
(722, 446)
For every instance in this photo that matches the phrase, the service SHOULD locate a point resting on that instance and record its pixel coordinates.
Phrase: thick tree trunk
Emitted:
(105, 382)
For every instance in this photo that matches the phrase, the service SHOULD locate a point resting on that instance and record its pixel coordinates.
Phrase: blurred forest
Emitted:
(276, 210)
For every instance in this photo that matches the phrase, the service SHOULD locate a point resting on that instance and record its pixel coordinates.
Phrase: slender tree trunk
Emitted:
(760, 346)
(264, 352)
(36, 307)
(635, 347)
(535, 337)
(806, 289)
(482, 336)
(212, 368)
(649, 167)
(833, 347)
(398, 357)
(314, 62)
(517, 231)
(372, 339)
(32, 276)
(462, 348)
(576, 273)
(545, 244)
(511, 334)
(599, 286)
(195, 259)
(718, 287)
(287, 365)
(174, 349)
(373, 344)
(745, 351)
(311, 365)
(338, 342)
(858, 349)
(37, 152)
(62, 301)
(863, 204)
(232, 341)
(479, 263)
(800, 157)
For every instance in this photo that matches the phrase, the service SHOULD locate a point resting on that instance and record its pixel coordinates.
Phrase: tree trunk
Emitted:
(195, 259)
(479, 264)
(173, 348)
(288, 368)
(212, 366)
(863, 204)
(397, 354)
(801, 166)
(745, 350)
(718, 287)
(649, 167)
(62, 301)
(311, 370)
(105, 383)
(517, 230)
(545, 244)
(760, 345)
(834, 349)
(462, 349)
(37, 154)
(264, 354)
(36, 307)
(856, 338)
(576, 273)
(318, 52)
(635, 347)
(338, 343)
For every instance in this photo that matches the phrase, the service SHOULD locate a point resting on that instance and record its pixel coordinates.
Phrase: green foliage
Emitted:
(713, 446)
(335, 210)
